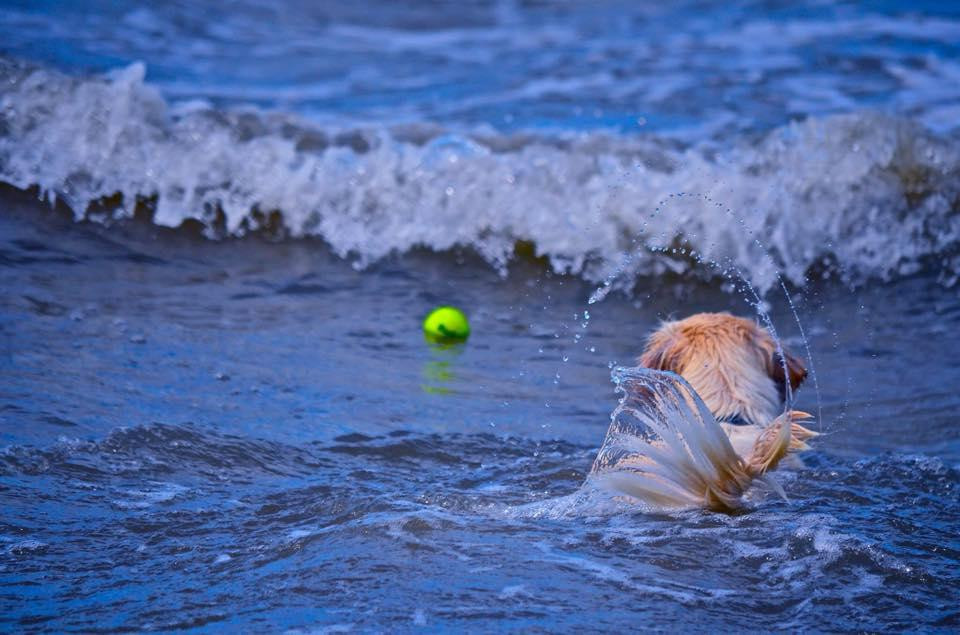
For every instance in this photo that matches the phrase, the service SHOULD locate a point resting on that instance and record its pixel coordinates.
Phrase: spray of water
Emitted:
(729, 270)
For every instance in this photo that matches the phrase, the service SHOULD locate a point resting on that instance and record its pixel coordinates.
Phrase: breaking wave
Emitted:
(860, 195)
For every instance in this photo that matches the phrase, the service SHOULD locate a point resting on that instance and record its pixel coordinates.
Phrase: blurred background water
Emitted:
(693, 70)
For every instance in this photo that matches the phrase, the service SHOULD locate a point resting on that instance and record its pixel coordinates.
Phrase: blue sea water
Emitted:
(220, 226)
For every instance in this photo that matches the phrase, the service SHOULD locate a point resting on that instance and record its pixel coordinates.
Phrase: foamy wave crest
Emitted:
(861, 194)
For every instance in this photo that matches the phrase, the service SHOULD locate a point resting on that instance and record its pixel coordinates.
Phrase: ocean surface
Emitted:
(221, 227)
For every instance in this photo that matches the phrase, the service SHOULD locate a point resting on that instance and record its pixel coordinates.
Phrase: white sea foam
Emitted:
(868, 195)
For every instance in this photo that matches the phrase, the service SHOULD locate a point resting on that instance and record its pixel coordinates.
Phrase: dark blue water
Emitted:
(255, 436)
(692, 68)
(220, 228)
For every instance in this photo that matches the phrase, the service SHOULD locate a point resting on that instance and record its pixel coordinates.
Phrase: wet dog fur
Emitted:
(736, 369)
(742, 377)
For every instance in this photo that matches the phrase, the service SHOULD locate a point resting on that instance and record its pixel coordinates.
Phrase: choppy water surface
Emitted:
(221, 226)
(256, 436)
(828, 131)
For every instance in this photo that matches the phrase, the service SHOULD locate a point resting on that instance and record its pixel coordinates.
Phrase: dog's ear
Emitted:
(796, 372)
(660, 353)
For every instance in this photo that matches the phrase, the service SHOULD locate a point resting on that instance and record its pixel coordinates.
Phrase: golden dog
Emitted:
(738, 372)
(734, 366)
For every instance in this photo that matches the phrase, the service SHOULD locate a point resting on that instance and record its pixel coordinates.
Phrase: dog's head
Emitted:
(731, 362)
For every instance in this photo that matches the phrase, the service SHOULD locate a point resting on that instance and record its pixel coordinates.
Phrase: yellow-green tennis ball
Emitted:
(446, 323)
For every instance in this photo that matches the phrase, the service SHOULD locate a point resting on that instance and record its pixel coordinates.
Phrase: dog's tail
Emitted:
(784, 436)
(669, 452)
